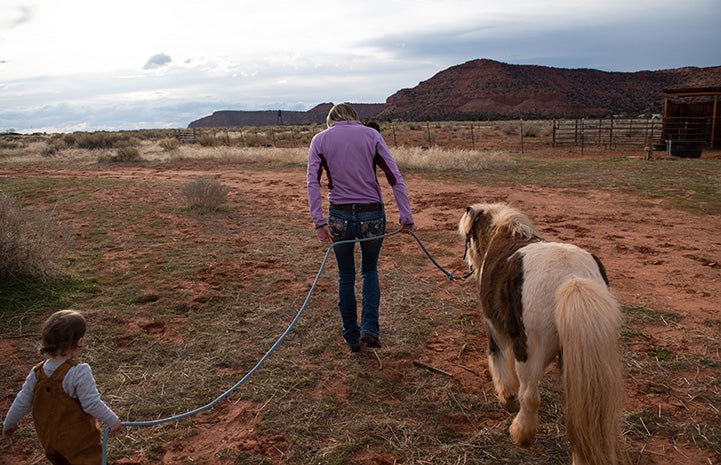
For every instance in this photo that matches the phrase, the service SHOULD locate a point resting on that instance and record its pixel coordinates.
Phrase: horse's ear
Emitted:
(469, 209)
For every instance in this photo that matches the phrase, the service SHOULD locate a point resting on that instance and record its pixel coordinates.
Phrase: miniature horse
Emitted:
(542, 300)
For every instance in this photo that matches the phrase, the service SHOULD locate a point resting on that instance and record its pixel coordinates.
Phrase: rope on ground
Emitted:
(448, 274)
(262, 360)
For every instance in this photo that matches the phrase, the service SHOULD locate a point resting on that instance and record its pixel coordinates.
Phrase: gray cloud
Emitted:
(157, 61)
(194, 87)
(618, 43)
(16, 17)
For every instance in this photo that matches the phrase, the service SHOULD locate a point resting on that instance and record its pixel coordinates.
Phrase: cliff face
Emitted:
(486, 88)
(490, 89)
(315, 115)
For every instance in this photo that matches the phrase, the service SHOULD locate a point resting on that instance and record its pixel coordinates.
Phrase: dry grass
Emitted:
(440, 159)
(32, 243)
(204, 305)
(205, 194)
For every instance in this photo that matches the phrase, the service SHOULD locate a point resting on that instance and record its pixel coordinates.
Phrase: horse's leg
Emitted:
(524, 426)
(501, 365)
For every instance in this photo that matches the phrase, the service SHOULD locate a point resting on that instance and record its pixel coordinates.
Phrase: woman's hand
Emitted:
(407, 228)
(324, 235)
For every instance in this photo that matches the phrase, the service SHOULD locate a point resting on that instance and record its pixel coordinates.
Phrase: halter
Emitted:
(465, 254)
(468, 244)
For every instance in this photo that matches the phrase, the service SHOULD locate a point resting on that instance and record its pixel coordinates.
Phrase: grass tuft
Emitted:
(204, 194)
(32, 243)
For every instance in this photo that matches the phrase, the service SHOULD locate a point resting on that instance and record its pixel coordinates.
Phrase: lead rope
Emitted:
(210, 405)
(448, 274)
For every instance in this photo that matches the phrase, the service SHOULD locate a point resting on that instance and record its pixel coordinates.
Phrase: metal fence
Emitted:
(607, 132)
(681, 128)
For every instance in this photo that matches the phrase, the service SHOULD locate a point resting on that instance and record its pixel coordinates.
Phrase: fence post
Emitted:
(521, 135)
(575, 133)
(653, 121)
(473, 139)
(428, 129)
(553, 133)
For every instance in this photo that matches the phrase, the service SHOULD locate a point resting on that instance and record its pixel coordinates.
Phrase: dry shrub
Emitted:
(31, 243)
(50, 150)
(94, 140)
(169, 144)
(206, 140)
(205, 194)
(126, 154)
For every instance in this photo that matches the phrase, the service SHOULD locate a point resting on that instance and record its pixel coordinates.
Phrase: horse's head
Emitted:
(482, 221)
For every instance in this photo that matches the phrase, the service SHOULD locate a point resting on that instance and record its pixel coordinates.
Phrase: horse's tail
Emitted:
(588, 319)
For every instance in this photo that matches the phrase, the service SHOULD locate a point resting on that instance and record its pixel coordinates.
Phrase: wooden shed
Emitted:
(692, 114)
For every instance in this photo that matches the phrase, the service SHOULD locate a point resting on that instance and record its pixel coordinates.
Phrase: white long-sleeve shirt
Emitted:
(78, 383)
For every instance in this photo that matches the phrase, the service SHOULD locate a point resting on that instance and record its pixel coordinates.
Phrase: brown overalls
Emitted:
(68, 434)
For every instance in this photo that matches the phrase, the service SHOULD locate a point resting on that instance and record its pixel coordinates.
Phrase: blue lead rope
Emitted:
(210, 405)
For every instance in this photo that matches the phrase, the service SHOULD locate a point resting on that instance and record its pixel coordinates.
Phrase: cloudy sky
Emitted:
(70, 65)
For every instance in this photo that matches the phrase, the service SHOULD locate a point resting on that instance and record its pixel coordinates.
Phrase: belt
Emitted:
(358, 207)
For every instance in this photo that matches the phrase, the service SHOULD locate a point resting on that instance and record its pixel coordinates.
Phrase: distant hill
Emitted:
(487, 89)
(315, 115)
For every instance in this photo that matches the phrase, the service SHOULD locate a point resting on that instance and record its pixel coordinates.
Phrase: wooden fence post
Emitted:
(521, 135)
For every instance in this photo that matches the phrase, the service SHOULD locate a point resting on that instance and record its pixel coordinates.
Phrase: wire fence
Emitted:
(514, 135)
(485, 135)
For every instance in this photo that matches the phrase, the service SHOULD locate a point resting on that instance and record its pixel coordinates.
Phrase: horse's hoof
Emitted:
(521, 436)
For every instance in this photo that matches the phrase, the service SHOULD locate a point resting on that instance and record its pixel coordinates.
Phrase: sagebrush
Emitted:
(205, 194)
(31, 243)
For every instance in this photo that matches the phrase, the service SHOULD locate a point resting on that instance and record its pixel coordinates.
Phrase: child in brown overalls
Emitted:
(63, 397)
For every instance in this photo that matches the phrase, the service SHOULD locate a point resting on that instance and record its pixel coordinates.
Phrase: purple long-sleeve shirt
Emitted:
(349, 153)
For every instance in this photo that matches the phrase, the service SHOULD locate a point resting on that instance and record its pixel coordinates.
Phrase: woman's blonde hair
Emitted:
(341, 112)
(62, 331)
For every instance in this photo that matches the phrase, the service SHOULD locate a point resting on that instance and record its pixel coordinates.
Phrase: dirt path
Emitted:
(669, 261)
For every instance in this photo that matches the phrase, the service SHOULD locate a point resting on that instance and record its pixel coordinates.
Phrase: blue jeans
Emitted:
(346, 225)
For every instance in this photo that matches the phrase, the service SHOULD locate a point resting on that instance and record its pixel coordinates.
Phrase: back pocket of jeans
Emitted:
(338, 227)
(373, 228)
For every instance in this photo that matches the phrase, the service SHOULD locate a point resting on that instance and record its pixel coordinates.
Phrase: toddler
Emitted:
(63, 397)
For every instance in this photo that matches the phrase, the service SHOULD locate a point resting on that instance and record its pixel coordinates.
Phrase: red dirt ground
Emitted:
(666, 261)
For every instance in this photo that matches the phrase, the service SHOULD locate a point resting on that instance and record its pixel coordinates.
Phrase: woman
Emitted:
(349, 153)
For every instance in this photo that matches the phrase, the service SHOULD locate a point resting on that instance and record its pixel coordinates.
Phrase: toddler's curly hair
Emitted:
(62, 331)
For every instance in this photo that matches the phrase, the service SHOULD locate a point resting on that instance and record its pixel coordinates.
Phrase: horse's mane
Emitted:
(506, 217)
(482, 223)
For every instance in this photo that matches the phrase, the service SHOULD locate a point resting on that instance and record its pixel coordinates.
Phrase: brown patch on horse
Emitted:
(482, 230)
(601, 268)
(501, 288)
